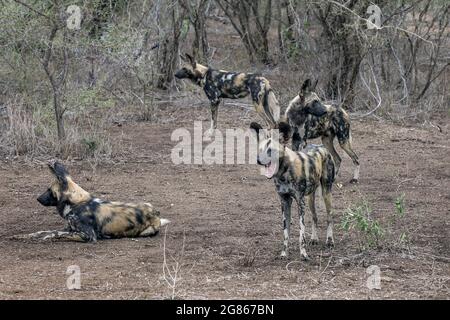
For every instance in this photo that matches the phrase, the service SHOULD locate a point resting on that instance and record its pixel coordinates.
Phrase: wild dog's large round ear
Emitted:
(255, 126)
(51, 164)
(285, 131)
(315, 85)
(183, 58)
(191, 60)
(58, 169)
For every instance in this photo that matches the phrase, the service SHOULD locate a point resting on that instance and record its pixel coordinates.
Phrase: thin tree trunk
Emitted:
(56, 85)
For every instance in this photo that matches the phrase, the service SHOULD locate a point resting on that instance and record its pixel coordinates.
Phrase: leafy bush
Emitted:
(369, 231)
(372, 233)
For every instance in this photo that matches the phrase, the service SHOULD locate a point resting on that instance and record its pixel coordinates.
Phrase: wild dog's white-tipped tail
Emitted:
(164, 222)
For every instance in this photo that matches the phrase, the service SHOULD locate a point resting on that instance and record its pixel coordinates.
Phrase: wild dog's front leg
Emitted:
(81, 227)
(299, 137)
(297, 140)
(67, 236)
(214, 97)
(52, 234)
(327, 199)
(214, 113)
(35, 235)
(286, 202)
(301, 215)
(312, 208)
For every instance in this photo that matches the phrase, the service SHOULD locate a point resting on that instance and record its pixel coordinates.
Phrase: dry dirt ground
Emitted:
(228, 218)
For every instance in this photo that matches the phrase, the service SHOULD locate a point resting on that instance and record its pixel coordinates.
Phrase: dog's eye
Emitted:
(269, 152)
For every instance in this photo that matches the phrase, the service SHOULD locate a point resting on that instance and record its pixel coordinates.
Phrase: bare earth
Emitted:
(230, 219)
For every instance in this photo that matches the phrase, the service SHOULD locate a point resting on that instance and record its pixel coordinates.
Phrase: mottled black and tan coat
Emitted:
(310, 119)
(219, 84)
(297, 175)
(89, 218)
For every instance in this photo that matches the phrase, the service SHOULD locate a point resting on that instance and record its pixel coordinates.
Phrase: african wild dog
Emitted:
(219, 84)
(297, 175)
(306, 111)
(89, 218)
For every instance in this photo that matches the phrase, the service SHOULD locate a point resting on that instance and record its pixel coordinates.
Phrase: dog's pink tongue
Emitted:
(270, 170)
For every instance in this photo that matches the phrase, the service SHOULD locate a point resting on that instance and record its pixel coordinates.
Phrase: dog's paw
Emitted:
(305, 257)
(209, 134)
(330, 243)
(354, 181)
(18, 237)
(283, 255)
(303, 254)
(314, 242)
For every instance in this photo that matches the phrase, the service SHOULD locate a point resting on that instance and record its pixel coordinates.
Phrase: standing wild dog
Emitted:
(297, 175)
(89, 218)
(307, 112)
(219, 84)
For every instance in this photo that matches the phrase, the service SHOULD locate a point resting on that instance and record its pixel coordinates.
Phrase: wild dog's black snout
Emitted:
(258, 161)
(47, 199)
(180, 74)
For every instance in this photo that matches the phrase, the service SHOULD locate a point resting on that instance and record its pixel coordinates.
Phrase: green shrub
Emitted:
(368, 230)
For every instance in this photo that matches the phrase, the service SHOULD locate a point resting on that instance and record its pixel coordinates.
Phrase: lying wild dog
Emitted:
(89, 218)
(219, 84)
(306, 111)
(297, 175)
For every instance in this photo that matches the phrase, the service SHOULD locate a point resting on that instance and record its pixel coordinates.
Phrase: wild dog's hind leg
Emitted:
(150, 231)
(214, 112)
(326, 193)
(328, 143)
(347, 146)
(286, 202)
(301, 216)
(311, 204)
(154, 229)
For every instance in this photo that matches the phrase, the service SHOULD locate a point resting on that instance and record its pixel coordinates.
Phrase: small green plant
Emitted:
(91, 144)
(403, 239)
(400, 206)
(399, 214)
(368, 230)
(292, 47)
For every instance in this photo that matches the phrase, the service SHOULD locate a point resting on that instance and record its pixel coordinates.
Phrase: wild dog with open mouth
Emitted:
(307, 112)
(297, 175)
(89, 218)
(219, 84)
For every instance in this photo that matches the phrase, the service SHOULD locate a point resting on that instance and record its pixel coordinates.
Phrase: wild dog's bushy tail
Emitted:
(164, 222)
(328, 171)
(271, 105)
